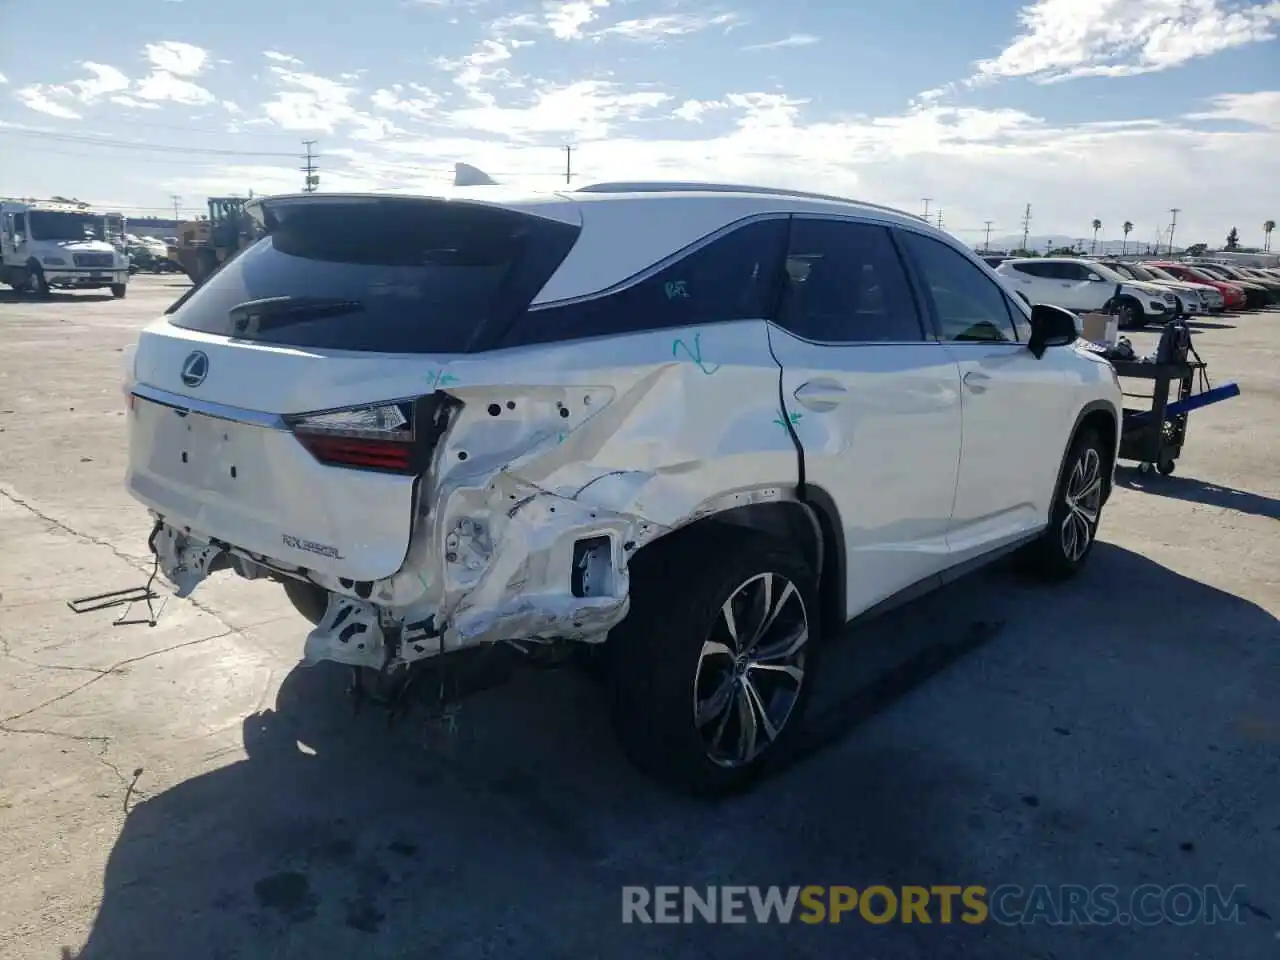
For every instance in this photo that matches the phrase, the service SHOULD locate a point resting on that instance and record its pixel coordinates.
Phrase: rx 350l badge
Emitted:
(195, 368)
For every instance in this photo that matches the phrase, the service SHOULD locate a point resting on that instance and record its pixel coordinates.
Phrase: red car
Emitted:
(1232, 294)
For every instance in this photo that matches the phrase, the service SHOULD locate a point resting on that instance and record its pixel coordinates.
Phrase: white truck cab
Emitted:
(47, 244)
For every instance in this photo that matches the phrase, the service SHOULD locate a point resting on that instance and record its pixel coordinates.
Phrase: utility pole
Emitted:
(939, 218)
(925, 216)
(1026, 226)
(177, 206)
(312, 177)
(1173, 226)
(568, 163)
(986, 244)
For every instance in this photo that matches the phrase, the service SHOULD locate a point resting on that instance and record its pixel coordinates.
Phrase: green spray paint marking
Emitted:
(695, 354)
(793, 417)
(440, 378)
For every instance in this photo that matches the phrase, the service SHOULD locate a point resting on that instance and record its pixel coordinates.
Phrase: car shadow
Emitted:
(1196, 324)
(513, 831)
(1199, 491)
(12, 296)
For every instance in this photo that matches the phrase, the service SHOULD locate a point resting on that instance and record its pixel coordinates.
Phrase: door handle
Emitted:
(820, 395)
(975, 381)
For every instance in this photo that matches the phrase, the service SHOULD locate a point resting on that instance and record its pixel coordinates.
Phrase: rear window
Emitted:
(394, 275)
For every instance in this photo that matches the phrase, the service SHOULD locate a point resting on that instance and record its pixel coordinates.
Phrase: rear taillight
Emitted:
(378, 437)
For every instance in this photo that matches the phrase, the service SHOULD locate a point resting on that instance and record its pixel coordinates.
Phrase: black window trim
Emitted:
(916, 275)
(927, 334)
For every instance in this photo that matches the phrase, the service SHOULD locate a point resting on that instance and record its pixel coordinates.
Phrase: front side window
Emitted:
(733, 277)
(845, 283)
(968, 306)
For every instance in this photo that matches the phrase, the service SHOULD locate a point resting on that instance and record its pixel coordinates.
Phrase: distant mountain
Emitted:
(1041, 242)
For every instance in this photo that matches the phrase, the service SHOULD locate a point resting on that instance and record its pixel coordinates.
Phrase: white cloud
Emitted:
(310, 102)
(566, 18)
(587, 109)
(232, 107)
(124, 100)
(794, 40)
(658, 28)
(279, 57)
(37, 97)
(475, 72)
(1062, 39)
(1262, 109)
(392, 100)
(695, 110)
(177, 58)
(3, 78)
(160, 85)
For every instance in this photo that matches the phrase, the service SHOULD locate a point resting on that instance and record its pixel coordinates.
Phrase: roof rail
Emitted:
(694, 186)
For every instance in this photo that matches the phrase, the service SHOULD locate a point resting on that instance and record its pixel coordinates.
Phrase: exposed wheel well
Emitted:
(811, 526)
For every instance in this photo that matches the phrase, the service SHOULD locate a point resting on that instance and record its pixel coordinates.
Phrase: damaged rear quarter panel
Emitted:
(625, 438)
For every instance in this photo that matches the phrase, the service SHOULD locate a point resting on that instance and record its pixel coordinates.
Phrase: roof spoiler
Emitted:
(465, 175)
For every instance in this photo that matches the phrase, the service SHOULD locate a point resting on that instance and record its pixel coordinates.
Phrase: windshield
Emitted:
(1140, 273)
(54, 225)
(1107, 273)
(1159, 273)
(1125, 271)
(398, 276)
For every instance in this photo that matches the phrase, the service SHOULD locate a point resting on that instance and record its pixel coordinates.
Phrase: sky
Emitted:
(1116, 110)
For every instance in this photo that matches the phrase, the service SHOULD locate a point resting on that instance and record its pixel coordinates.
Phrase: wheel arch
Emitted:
(811, 524)
(1102, 416)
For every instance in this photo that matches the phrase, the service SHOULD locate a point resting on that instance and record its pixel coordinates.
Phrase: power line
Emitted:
(177, 206)
(568, 163)
(96, 140)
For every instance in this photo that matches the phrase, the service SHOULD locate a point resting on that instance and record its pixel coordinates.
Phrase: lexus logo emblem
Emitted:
(195, 368)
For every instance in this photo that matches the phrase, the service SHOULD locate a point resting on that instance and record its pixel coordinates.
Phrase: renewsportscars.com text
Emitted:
(1008, 904)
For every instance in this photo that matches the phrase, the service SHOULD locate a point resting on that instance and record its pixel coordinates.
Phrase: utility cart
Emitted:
(1154, 436)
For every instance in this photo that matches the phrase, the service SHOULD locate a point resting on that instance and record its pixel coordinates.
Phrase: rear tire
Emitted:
(308, 599)
(705, 700)
(118, 290)
(1061, 551)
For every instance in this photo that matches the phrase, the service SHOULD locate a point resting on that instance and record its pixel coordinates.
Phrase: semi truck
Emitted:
(52, 244)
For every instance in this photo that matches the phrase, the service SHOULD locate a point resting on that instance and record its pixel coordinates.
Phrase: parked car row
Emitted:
(1140, 291)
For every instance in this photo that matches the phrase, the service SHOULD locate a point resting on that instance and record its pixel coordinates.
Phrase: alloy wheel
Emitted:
(1083, 497)
(751, 669)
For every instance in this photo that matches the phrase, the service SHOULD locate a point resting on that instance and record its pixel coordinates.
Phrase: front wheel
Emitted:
(713, 667)
(118, 290)
(1066, 543)
(1131, 315)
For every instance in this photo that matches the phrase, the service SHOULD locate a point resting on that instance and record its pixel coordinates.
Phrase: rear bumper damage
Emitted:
(510, 562)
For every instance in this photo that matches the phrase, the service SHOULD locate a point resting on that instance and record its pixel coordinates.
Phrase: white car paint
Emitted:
(1080, 285)
(932, 453)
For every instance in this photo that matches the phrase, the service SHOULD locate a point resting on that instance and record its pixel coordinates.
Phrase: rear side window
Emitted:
(846, 284)
(1035, 269)
(394, 275)
(730, 278)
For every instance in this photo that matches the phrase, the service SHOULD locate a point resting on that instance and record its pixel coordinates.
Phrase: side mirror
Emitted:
(1051, 327)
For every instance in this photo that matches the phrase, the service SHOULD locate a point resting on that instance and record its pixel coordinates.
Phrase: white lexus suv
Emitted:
(1086, 285)
(694, 427)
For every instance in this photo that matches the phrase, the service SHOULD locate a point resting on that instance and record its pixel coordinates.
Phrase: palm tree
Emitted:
(1128, 229)
(1266, 233)
(1097, 225)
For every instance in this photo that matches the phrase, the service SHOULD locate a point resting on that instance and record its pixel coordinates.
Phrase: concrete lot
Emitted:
(1122, 730)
